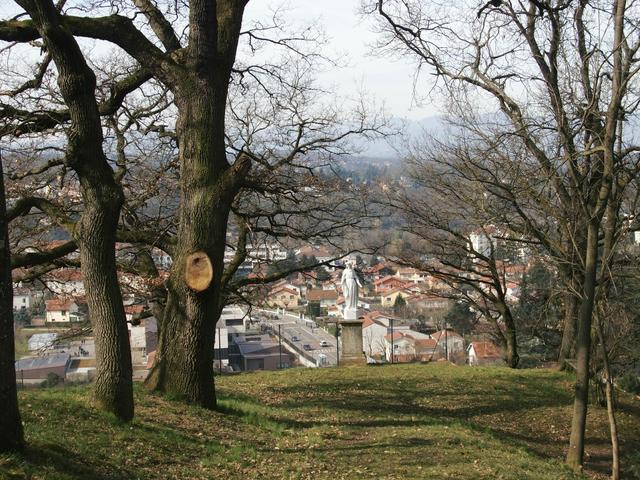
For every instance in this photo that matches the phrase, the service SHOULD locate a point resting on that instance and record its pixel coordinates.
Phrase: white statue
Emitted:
(350, 283)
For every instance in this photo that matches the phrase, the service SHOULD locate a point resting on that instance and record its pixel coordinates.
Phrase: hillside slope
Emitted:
(402, 422)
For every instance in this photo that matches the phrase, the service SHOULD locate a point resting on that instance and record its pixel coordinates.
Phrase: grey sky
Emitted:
(388, 80)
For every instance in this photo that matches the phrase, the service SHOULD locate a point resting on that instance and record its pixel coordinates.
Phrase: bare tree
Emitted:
(562, 76)
(11, 437)
(452, 236)
(102, 196)
(196, 69)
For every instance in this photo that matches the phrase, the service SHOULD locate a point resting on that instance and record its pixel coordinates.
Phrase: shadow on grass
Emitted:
(370, 402)
(62, 461)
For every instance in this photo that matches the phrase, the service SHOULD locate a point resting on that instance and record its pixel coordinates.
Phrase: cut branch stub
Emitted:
(198, 272)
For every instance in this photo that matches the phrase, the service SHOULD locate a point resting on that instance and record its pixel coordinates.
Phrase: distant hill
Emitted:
(391, 148)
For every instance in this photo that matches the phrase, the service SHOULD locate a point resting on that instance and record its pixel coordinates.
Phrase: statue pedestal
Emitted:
(352, 349)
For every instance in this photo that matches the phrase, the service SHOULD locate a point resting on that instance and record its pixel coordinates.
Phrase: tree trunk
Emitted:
(567, 346)
(613, 427)
(113, 390)
(184, 358)
(10, 424)
(103, 198)
(209, 184)
(511, 356)
(575, 455)
(573, 280)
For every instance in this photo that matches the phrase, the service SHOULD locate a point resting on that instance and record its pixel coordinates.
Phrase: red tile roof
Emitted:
(396, 336)
(66, 275)
(486, 350)
(317, 295)
(58, 304)
(450, 334)
(133, 309)
(284, 289)
(426, 342)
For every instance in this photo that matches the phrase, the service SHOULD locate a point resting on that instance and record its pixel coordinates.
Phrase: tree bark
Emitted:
(613, 427)
(511, 356)
(11, 437)
(209, 184)
(567, 345)
(96, 229)
(184, 358)
(113, 390)
(575, 455)
(573, 278)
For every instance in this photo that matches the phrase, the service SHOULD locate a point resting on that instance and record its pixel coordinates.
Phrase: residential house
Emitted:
(373, 333)
(21, 299)
(322, 253)
(161, 258)
(133, 311)
(143, 339)
(450, 344)
(408, 346)
(233, 319)
(283, 297)
(402, 347)
(387, 284)
(389, 299)
(483, 240)
(65, 281)
(63, 310)
(334, 311)
(484, 353)
(376, 272)
(326, 298)
(429, 302)
(412, 275)
(287, 284)
(425, 349)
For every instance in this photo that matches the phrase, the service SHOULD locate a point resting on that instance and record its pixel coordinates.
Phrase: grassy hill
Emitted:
(393, 422)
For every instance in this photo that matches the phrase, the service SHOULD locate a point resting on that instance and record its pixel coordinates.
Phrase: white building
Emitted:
(21, 299)
(143, 339)
(41, 341)
(65, 281)
(449, 341)
(161, 258)
(221, 347)
(62, 311)
(234, 319)
(483, 240)
(373, 333)
(258, 254)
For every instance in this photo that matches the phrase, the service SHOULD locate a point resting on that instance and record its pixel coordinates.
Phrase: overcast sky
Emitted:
(388, 80)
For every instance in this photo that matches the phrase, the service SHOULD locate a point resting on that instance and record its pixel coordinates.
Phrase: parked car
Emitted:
(294, 338)
(324, 343)
(307, 347)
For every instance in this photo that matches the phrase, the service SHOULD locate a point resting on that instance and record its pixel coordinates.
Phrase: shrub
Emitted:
(629, 382)
(52, 380)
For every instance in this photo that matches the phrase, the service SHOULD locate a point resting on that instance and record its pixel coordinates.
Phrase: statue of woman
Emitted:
(350, 283)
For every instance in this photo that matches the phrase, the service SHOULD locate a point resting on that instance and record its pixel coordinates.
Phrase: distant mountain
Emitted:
(392, 148)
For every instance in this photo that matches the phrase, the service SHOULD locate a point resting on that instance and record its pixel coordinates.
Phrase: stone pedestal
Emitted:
(352, 349)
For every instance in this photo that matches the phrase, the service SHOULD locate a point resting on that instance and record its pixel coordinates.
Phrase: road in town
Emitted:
(299, 332)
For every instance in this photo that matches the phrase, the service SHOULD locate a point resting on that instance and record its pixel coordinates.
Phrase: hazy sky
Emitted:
(351, 36)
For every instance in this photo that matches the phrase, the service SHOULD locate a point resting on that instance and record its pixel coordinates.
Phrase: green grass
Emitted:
(392, 422)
